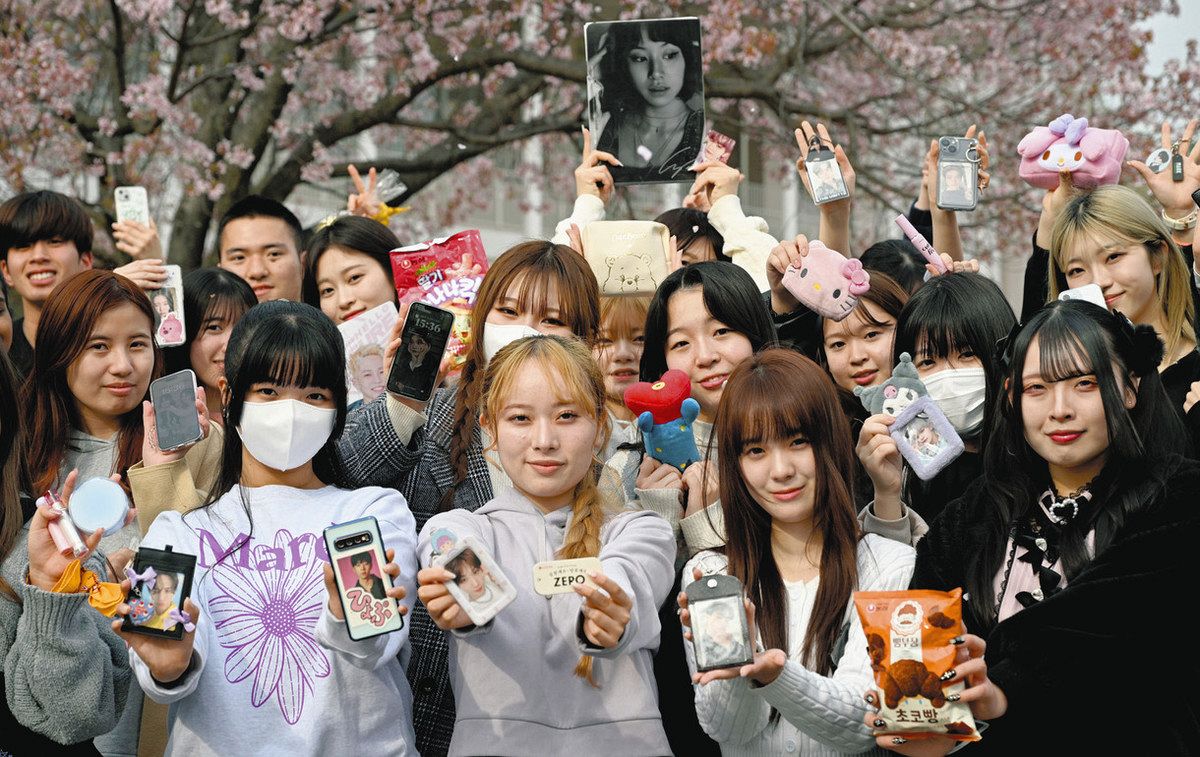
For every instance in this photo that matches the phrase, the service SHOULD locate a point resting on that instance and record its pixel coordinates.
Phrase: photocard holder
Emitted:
(926, 438)
(720, 633)
(824, 173)
(645, 88)
(957, 173)
(479, 586)
(160, 580)
(169, 330)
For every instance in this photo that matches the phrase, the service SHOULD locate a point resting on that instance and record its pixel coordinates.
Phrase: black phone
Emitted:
(175, 418)
(422, 346)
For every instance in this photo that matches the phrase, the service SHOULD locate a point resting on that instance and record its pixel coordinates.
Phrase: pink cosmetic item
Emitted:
(66, 537)
(921, 243)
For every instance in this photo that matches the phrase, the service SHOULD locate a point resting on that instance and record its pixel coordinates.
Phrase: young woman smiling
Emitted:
(349, 271)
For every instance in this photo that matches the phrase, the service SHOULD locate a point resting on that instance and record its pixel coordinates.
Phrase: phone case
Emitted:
(1088, 293)
(480, 587)
(957, 155)
(131, 204)
(356, 552)
(159, 581)
(434, 325)
(176, 421)
(169, 328)
(926, 438)
(720, 633)
(628, 257)
(825, 176)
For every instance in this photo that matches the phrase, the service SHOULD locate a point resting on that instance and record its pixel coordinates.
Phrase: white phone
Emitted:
(132, 204)
(1088, 293)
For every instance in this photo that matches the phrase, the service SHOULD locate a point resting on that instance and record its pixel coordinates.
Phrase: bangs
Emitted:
(1061, 353)
(535, 285)
(561, 374)
(222, 307)
(772, 410)
(40, 216)
(282, 352)
(622, 317)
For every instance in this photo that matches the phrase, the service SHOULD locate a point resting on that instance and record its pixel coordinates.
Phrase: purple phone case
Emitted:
(926, 454)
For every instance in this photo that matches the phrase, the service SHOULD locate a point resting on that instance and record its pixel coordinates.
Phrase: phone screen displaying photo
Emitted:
(422, 345)
(175, 418)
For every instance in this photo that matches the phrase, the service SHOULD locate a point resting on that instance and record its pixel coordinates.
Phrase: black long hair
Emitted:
(953, 313)
(355, 233)
(208, 293)
(619, 92)
(730, 295)
(1075, 338)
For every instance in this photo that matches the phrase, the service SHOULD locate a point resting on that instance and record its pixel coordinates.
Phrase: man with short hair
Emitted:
(45, 239)
(262, 241)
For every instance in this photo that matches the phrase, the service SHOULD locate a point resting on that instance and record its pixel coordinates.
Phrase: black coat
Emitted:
(1106, 665)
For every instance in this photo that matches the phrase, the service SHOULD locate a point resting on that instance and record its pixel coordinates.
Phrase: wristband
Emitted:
(1180, 224)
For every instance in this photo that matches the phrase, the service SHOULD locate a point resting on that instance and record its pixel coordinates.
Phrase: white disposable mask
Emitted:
(497, 336)
(961, 394)
(285, 434)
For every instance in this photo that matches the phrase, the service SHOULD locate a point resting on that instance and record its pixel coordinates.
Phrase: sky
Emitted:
(1172, 32)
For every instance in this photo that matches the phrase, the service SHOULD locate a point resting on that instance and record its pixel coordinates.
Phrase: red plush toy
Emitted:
(665, 411)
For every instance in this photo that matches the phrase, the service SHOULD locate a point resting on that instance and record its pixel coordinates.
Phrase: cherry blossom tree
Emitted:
(221, 98)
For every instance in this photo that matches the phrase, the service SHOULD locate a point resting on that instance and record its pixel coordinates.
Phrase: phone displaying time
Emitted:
(422, 346)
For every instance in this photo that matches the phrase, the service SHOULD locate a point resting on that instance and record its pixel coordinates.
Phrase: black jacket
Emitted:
(1106, 665)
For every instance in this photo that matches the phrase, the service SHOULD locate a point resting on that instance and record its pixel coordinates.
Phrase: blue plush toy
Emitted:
(665, 414)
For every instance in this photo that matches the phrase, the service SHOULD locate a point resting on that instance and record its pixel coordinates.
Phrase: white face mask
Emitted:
(285, 434)
(497, 336)
(960, 393)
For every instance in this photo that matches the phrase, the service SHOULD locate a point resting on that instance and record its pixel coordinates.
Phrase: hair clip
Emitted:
(147, 576)
(181, 616)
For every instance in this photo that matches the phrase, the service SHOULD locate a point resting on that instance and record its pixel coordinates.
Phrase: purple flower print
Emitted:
(267, 619)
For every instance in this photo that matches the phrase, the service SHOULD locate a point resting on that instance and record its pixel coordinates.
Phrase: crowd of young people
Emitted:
(1066, 520)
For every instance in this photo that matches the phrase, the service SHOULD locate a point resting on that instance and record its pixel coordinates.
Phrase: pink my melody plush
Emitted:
(1093, 156)
(827, 282)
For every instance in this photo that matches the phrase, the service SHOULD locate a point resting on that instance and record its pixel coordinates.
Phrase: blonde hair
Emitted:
(362, 353)
(570, 363)
(1122, 214)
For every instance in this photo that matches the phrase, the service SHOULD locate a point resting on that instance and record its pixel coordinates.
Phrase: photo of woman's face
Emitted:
(470, 579)
(657, 70)
(417, 346)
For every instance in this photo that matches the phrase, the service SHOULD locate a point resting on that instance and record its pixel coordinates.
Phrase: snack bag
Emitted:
(445, 273)
(908, 640)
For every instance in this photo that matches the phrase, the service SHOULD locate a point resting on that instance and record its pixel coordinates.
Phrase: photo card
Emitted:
(167, 302)
(356, 551)
(160, 579)
(926, 438)
(720, 633)
(824, 174)
(645, 86)
(479, 586)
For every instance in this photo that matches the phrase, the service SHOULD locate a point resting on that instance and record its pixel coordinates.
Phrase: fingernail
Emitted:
(957, 640)
(948, 675)
(879, 723)
(871, 698)
(953, 697)
(899, 740)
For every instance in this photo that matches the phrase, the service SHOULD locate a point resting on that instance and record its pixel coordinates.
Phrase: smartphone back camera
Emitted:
(354, 540)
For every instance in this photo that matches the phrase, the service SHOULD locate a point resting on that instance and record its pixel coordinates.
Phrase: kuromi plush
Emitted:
(897, 393)
(827, 282)
(1093, 156)
(665, 413)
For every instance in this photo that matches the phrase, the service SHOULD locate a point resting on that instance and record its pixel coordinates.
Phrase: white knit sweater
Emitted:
(819, 715)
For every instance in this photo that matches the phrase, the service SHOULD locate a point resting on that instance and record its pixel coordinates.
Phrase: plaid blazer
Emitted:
(421, 471)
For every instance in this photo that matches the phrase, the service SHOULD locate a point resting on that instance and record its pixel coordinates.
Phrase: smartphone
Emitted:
(175, 418)
(422, 346)
(169, 329)
(957, 173)
(132, 204)
(356, 552)
(824, 174)
(720, 632)
(1088, 293)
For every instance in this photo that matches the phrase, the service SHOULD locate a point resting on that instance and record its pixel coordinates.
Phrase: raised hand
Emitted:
(137, 240)
(441, 605)
(1175, 197)
(606, 611)
(592, 176)
(364, 201)
(149, 274)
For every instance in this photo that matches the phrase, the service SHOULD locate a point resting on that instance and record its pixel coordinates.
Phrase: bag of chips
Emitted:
(445, 273)
(908, 640)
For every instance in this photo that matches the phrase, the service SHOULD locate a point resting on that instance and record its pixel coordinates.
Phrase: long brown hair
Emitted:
(885, 295)
(12, 467)
(576, 374)
(51, 412)
(534, 267)
(774, 395)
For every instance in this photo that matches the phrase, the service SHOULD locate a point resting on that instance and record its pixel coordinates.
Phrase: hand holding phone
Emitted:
(417, 361)
(361, 575)
(957, 173)
(132, 204)
(176, 420)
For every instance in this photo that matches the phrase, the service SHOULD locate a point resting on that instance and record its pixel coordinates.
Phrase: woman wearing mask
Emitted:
(950, 327)
(270, 654)
(434, 453)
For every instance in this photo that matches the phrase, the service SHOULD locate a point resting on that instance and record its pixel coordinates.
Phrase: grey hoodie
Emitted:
(514, 685)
